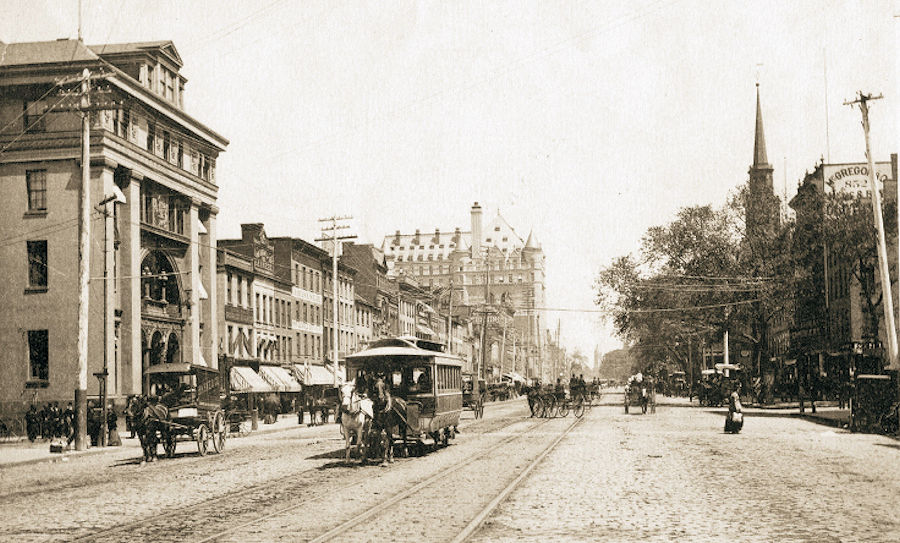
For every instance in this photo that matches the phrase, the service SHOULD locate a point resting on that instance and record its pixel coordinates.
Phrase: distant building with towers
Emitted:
(491, 274)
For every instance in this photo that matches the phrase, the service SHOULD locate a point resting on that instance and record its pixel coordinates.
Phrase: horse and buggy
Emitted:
(471, 399)
(424, 385)
(639, 393)
(184, 404)
(549, 401)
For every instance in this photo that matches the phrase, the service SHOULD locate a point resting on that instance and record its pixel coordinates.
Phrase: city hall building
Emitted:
(152, 256)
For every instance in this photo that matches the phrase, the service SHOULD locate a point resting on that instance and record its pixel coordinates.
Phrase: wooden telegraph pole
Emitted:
(85, 102)
(887, 293)
(330, 233)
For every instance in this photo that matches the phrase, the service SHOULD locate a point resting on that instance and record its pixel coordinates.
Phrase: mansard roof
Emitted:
(45, 52)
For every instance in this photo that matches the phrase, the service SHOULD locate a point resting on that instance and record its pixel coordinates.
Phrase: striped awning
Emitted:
(279, 378)
(317, 375)
(244, 379)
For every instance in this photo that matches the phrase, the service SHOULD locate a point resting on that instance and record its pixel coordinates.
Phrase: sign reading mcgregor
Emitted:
(854, 178)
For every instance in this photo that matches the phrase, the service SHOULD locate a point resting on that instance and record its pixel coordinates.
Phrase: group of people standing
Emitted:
(50, 422)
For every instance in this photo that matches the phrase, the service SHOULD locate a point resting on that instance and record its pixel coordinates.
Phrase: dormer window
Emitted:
(170, 85)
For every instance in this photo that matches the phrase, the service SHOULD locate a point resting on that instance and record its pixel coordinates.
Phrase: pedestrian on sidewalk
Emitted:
(734, 420)
(113, 439)
(32, 424)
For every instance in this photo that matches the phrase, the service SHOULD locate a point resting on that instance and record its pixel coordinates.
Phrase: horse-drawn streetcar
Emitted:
(425, 384)
(184, 405)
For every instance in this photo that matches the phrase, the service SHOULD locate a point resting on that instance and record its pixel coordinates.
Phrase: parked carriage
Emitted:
(425, 383)
(192, 395)
(473, 401)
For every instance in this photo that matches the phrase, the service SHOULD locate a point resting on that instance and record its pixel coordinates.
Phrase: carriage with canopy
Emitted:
(471, 399)
(191, 395)
(425, 385)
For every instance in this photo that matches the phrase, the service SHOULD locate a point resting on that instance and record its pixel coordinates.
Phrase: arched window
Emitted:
(159, 281)
(156, 349)
(173, 350)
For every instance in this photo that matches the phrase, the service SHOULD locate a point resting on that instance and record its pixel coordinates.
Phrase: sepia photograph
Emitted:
(449, 271)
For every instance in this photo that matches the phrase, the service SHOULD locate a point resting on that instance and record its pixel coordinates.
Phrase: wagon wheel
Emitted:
(169, 445)
(202, 439)
(218, 432)
(578, 410)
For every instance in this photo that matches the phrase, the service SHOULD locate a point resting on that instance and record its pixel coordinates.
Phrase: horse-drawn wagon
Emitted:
(470, 399)
(637, 393)
(184, 405)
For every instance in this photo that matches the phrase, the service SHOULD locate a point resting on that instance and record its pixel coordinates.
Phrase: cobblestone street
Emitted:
(672, 476)
(675, 476)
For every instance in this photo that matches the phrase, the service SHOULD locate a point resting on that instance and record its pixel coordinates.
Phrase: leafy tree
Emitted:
(675, 290)
(849, 229)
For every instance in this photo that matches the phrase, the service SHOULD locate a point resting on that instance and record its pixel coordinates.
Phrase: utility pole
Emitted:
(450, 321)
(335, 240)
(83, 105)
(887, 292)
(84, 264)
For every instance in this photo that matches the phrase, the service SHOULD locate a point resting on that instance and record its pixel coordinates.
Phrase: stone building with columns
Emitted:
(152, 258)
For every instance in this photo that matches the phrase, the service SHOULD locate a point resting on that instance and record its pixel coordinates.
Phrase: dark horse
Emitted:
(147, 422)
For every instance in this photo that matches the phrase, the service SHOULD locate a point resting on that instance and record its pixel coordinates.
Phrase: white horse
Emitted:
(356, 420)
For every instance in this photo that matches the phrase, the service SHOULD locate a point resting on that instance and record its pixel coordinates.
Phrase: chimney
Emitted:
(397, 237)
(437, 235)
(416, 238)
(476, 229)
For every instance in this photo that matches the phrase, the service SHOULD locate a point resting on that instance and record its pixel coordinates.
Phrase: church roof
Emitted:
(760, 160)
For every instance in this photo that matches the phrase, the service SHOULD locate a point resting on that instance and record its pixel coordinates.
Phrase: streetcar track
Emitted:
(356, 520)
(295, 481)
(476, 523)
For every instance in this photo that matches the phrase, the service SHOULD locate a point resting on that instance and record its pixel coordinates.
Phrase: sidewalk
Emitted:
(24, 452)
(827, 412)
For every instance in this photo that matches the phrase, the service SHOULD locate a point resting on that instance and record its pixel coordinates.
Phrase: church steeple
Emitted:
(759, 143)
(761, 216)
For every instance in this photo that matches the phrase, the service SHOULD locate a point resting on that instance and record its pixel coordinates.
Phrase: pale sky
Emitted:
(586, 121)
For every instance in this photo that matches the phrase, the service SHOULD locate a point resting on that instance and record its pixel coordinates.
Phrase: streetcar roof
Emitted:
(401, 348)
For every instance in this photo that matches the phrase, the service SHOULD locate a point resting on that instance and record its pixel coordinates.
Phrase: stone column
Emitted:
(192, 283)
(211, 327)
(129, 286)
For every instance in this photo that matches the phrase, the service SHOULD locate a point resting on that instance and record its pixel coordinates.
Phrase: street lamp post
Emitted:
(117, 197)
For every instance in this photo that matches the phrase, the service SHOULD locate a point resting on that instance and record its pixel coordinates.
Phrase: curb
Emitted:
(64, 457)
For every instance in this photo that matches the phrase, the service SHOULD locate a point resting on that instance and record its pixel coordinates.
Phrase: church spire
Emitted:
(759, 143)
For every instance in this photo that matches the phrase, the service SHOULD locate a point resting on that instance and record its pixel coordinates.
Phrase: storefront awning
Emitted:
(424, 330)
(513, 376)
(244, 379)
(317, 375)
(279, 378)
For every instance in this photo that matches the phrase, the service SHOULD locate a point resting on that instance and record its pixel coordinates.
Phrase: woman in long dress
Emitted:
(734, 421)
